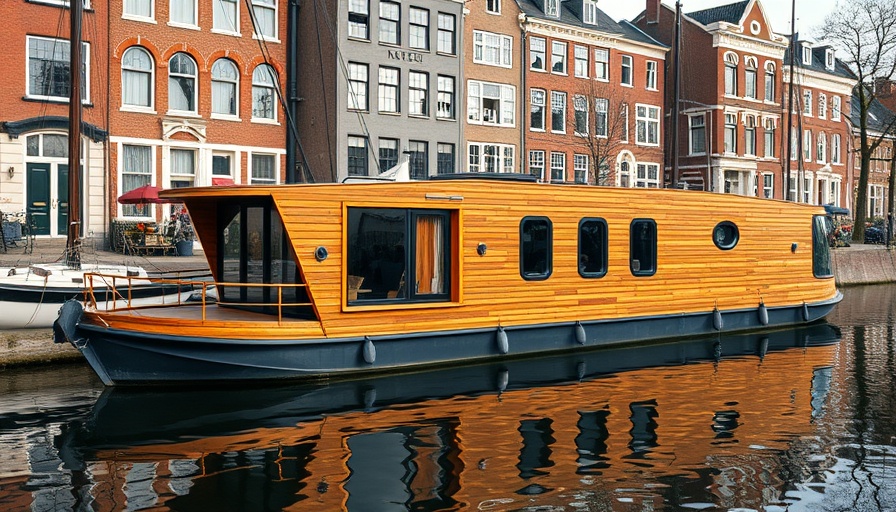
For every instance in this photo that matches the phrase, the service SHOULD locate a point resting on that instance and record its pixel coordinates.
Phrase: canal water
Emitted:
(797, 420)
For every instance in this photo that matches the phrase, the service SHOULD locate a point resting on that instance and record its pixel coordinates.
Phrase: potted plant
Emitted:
(183, 232)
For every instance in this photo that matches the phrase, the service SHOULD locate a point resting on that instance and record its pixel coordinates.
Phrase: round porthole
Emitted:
(725, 235)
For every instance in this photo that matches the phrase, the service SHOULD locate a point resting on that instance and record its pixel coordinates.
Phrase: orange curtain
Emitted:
(429, 254)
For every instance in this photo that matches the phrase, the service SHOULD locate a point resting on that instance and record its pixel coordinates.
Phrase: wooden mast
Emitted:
(73, 242)
(790, 106)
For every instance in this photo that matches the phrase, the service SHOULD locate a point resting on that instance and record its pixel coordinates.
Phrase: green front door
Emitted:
(62, 200)
(38, 197)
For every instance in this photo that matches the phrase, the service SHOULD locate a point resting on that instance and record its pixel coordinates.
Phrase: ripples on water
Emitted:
(784, 421)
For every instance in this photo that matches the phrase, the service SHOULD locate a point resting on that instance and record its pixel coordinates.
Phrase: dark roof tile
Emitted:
(731, 13)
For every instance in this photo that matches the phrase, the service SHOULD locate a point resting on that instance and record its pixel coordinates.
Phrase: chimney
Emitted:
(652, 11)
(883, 87)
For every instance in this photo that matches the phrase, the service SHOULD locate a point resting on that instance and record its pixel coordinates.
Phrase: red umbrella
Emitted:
(142, 195)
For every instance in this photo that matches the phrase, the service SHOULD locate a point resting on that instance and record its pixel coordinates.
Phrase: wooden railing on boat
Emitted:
(112, 289)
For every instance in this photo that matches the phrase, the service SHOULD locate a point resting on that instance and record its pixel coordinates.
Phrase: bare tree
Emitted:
(865, 32)
(609, 127)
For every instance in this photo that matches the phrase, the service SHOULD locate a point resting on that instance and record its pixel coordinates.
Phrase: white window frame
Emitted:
(145, 75)
(418, 30)
(750, 135)
(646, 120)
(359, 19)
(580, 59)
(358, 86)
(535, 51)
(601, 117)
(490, 157)
(56, 46)
(536, 161)
(146, 173)
(559, 56)
(589, 12)
(642, 175)
(552, 8)
(254, 180)
(134, 14)
(769, 126)
(537, 98)
(807, 103)
(264, 88)
(446, 34)
(195, 77)
(493, 6)
(626, 63)
(835, 108)
(829, 59)
(418, 94)
(835, 149)
(807, 55)
(580, 168)
(556, 97)
(651, 75)
(580, 108)
(558, 166)
(266, 15)
(731, 65)
(770, 85)
(389, 23)
(492, 49)
(768, 185)
(822, 106)
(821, 148)
(232, 81)
(602, 64)
(506, 103)
(730, 128)
(185, 22)
(385, 85)
(446, 99)
(226, 21)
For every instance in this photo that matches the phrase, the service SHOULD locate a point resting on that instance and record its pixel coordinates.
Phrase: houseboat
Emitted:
(321, 280)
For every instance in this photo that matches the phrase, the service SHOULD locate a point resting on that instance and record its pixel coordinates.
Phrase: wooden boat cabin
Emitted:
(331, 278)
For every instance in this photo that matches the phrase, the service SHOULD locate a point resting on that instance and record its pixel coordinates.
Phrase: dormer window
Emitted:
(829, 58)
(552, 8)
(589, 12)
(807, 55)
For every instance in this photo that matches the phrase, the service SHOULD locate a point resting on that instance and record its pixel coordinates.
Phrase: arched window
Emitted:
(750, 79)
(821, 148)
(264, 99)
(731, 61)
(137, 78)
(770, 81)
(822, 105)
(225, 84)
(182, 83)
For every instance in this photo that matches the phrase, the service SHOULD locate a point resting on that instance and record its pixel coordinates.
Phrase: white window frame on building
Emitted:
(490, 157)
(504, 113)
(225, 89)
(418, 94)
(580, 115)
(552, 8)
(141, 10)
(647, 124)
(731, 62)
(259, 175)
(225, 16)
(768, 185)
(445, 101)
(183, 13)
(770, 82)
(558, 166)
(264, 94)
(493, 6)
(138, 80)
(647, 175)
(602, 64)
(580, 55)
(750, 78)
(137, 165)
(626, 68)
(750, 135)
(537, 107)
(835, 149)
(536, 163)
(730, 133)
(183, 75)
(182, 165)
(492, 49)
(769, 125)
(601, 108)
(821, 148)
(580, 168)
(389, 90)
(537, 55)
(55, 54)
(835, 108)
(222, 164)
(265, 12)
(558, 112)
(558, 57)
(359, 19)
(390, 23)
(807, 103)
(651, 75)
(822, 106)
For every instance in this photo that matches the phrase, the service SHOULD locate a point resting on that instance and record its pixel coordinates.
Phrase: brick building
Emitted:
(176, 94)
(193, 96)
(820, 172)
(594, 92)
(495, 99)
(34, 113)
(731, 89)
(881, 122)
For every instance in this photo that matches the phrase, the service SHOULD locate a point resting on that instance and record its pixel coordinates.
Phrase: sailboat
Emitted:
(30, 296)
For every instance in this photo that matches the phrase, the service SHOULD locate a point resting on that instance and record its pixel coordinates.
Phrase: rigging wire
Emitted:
(290, 121)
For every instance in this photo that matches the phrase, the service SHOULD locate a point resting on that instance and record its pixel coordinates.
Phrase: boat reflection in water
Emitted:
(599, 429)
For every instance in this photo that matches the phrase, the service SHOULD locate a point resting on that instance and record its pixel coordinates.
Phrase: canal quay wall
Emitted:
(856, 265)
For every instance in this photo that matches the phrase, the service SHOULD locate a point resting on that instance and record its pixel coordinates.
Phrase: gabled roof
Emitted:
(731, 13)
(571, 14)
(818, 62)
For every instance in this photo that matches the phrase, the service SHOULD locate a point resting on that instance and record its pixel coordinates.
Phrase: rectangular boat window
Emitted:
(592, 247)
(536, 248)
(398, 255)
(821, 252)
(642, 254)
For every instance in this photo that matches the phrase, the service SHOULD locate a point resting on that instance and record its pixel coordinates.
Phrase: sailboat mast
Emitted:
(789, 149)
(676, 100)
(73, 242)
